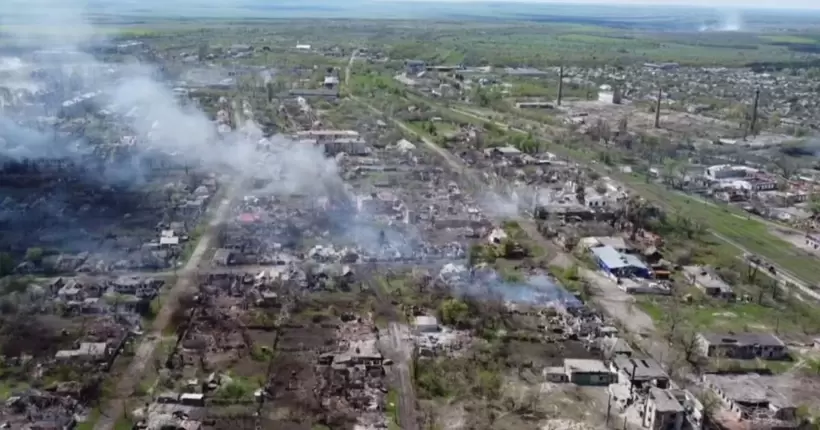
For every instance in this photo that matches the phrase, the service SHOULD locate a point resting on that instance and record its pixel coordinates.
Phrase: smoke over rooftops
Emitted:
(159, 122)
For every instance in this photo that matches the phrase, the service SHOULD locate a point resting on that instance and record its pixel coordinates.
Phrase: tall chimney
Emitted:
(658, 109)
(560, 84)
(754, 113)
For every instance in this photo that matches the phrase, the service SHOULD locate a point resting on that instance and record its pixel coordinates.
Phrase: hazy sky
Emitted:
(775, 4)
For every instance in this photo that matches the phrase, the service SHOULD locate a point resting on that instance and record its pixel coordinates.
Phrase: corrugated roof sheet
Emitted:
(617, 260)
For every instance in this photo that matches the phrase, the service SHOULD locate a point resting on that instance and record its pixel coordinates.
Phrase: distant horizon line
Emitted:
(625, 4)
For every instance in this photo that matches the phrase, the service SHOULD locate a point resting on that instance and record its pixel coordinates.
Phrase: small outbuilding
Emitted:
(588, 372)
(426, 324)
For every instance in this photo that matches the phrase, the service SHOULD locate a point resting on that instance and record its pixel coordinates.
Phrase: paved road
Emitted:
(145, 350)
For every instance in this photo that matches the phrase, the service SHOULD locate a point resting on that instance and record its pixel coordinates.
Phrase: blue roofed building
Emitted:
(618, 264)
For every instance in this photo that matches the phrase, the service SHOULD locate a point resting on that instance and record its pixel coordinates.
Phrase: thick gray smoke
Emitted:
(131, 95)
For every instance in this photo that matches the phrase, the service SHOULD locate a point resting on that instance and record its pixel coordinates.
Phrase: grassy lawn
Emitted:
(731, 224)
(9, 387)
(90, 420)
(720, 316)
(392, 409)
(123, 424)
(445, 128)
(786, 38)
(594, 39)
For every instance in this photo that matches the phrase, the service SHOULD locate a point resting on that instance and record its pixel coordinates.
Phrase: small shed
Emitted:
(426, 324)
(587, 372)
(555, 374)
(192, 399)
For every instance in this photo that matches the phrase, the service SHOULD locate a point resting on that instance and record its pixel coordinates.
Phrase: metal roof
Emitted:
(743, 339)
(613, 259)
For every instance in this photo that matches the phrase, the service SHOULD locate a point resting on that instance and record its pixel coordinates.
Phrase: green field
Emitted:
(731, 224)
(549, 44)
(782, 38)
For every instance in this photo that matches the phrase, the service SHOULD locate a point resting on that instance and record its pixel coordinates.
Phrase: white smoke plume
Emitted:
(729, 21)
(147, 106)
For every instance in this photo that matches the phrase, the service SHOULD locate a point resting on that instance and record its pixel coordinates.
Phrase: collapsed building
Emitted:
(40, 409)
(428, 218)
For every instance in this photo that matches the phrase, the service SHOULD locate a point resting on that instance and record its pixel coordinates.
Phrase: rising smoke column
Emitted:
(147, 106)
(728, 20)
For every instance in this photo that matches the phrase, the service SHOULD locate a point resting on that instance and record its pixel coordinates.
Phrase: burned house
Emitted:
(101, 342)
(359, 353)
(85, 351)
(765, 402)
(353, 376)
(143, 288)
(351, 146)
(639, 373)
(34, 409)
(745, 346)
(709, 282)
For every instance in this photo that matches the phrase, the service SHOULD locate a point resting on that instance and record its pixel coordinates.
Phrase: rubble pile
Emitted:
(352, 377)
(40, 409)
(424, 216)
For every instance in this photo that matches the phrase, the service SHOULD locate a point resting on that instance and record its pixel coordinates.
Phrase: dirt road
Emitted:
(782, 275)
(402, 349)
(146, 349)
(616, 303)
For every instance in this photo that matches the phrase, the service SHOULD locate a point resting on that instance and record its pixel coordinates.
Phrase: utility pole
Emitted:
(658, 109)
(560, 84)
(754, 113)
(608, 408)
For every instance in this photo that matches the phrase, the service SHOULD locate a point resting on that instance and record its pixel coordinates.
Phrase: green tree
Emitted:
(6, 264)
(786, 166)
(454, 312)
(270, 90)
(814, 205)
(35, 255)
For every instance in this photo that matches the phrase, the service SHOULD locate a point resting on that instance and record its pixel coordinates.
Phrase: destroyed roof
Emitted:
(664, 400)
(750, 388)
(743, 339)
(640, 369)
(615, 345)
(314, 92)
(405, 145)
(127, 281)
(613, 241)
(323, 133)
(86, 349)
(366, 349)
(506, 150)
(707, 278)
(585, 365)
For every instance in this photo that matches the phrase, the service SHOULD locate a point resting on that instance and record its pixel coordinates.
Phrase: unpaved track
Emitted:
(782, 275)
(145, 351)
(397, 346)
(403, 350)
